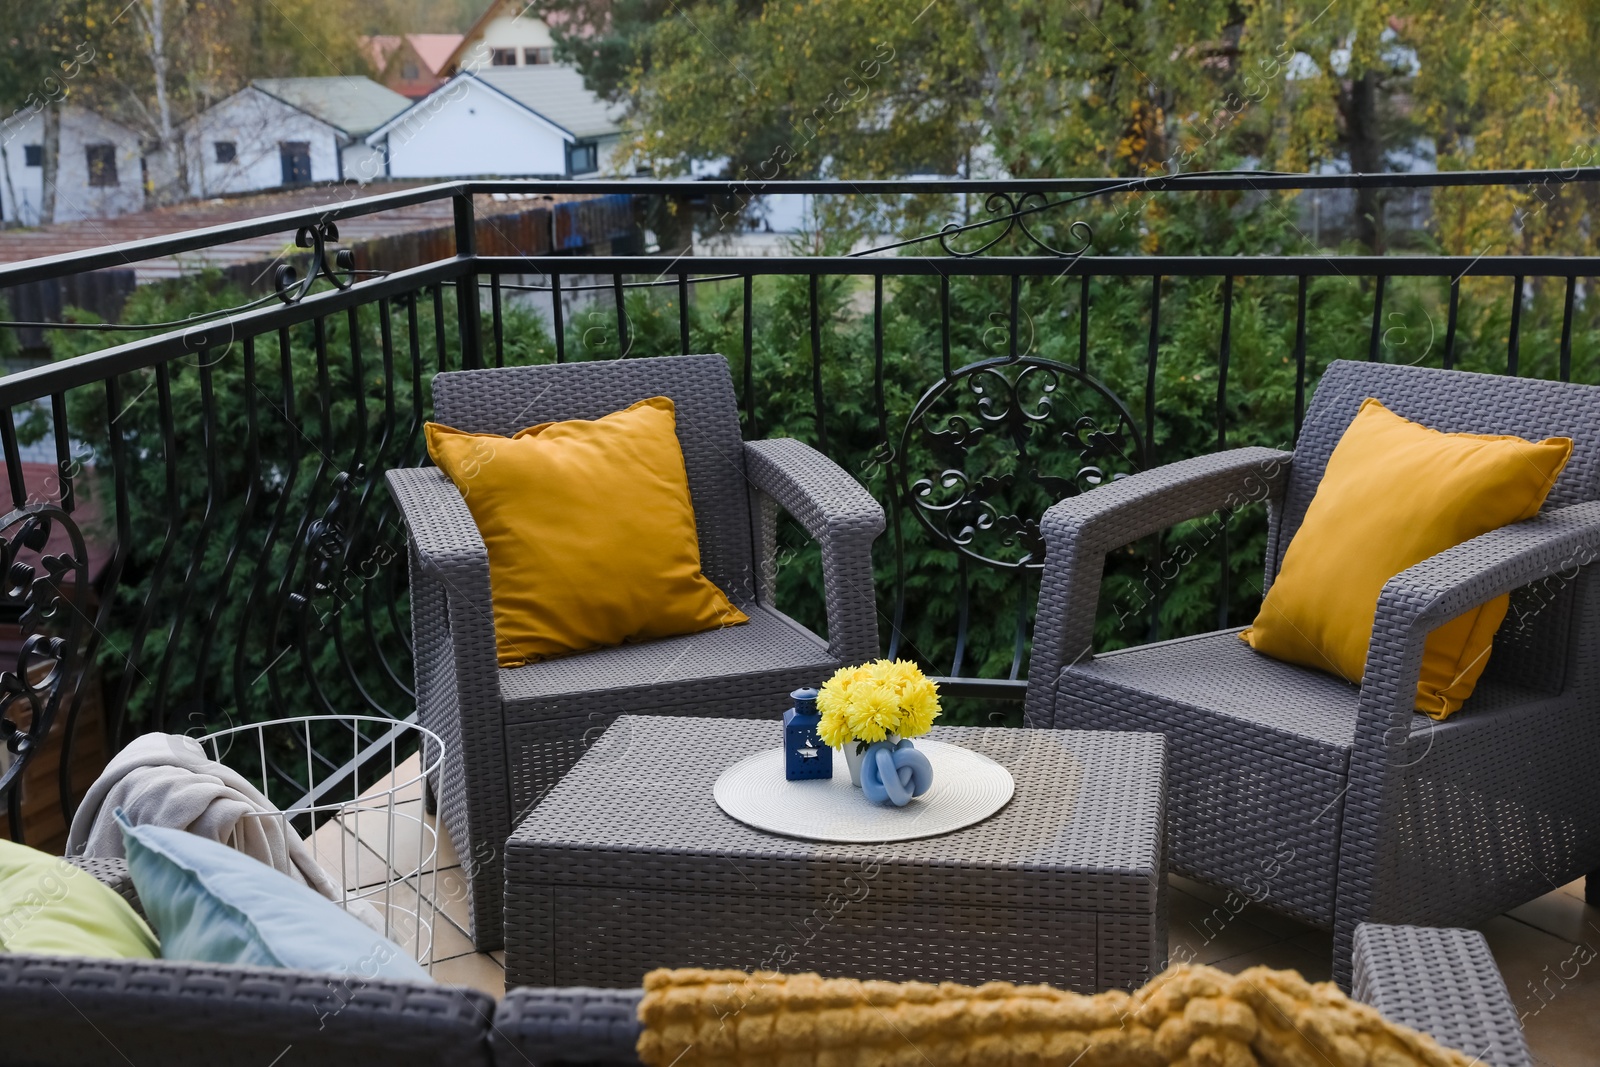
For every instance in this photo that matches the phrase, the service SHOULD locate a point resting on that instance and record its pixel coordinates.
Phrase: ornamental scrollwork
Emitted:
(1013, 213)
(1018, 214)
(987, 449)
(326, 542)
(333, 264)
(49, 590)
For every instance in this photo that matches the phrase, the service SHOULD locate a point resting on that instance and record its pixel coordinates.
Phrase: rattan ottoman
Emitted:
(628, 864)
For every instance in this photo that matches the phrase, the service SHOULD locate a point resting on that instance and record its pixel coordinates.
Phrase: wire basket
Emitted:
(351, 786)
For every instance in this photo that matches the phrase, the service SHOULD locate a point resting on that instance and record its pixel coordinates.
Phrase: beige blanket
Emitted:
(1188, 1016)
(167, 780)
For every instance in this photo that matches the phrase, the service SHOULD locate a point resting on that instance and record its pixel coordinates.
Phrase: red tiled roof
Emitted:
(379, 47)
(434, 48)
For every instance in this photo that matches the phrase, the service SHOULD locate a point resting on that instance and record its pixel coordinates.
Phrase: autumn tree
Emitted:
(154, 64)
(47, 51)
(1034, 88)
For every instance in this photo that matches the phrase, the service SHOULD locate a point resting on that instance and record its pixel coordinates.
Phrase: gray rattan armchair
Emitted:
(1336, 803)
(1441, 982)
(510, 734)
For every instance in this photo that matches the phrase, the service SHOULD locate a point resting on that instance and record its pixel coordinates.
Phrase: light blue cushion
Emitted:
(213, 904)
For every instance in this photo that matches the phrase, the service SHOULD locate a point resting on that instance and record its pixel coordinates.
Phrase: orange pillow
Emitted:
(1395, 493)
(590, 532)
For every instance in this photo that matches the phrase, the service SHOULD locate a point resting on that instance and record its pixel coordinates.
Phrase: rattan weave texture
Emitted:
(629, 864)
(1340, 804)
(509, 735)
(91, 1012)
(594, 1027)
(113, 873)
(1444, 982)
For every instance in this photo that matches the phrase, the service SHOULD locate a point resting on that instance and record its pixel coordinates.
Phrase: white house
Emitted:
(288, 131)
(535, 121)
(99, 169)
(507, 34)
(558, 93)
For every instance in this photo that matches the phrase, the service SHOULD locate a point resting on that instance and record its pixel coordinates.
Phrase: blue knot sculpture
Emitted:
(894, 773)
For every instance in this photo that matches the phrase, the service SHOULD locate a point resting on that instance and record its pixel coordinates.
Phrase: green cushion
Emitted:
(48, 907)
(214, 904)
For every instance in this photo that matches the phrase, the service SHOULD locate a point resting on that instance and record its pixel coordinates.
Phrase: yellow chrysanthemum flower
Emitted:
(919, 707)
(832, 699)
(902, 675)
(869, 702)
(873, 711)
(833, 730)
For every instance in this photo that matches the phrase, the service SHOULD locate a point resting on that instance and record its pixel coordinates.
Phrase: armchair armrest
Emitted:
(1416, 601)
(442, 529)
(452, 610)
(567, 1026)
(1080, 530)
(836, 511)
(1442, 982)
(449, 550)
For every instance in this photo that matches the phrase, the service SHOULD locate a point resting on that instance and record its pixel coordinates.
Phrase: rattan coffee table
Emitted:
(628, 864)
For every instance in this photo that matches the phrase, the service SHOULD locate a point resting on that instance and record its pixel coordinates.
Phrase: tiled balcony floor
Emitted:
(1548, 950)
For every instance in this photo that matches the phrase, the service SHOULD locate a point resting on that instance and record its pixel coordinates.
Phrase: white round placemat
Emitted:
(968, 787)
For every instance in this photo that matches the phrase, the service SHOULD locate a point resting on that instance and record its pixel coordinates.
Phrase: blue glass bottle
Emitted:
(805, 757)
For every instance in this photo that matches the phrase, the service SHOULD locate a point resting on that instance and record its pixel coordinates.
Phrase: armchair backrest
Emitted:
(505, 400)
(1462, 402)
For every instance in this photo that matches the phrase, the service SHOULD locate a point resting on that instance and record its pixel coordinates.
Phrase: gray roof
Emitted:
(557, 92)
(355, 105)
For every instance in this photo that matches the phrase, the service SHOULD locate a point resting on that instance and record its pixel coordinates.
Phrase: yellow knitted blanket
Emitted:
(1189, 1016)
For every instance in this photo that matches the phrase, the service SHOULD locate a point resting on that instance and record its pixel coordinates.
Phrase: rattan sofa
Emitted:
(1442, 982)
(84, 1012)
(1334, 803)
(87, 1013)
(510, 734)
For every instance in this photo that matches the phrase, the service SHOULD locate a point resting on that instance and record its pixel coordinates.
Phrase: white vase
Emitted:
(853, 753)
(852, 759)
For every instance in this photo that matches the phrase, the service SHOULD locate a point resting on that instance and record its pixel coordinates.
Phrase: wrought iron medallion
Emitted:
(989, 448)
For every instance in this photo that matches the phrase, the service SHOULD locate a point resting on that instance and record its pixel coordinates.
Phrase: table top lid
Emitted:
(1084, 801)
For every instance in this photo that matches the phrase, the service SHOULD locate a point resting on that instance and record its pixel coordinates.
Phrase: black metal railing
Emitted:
(203, 536)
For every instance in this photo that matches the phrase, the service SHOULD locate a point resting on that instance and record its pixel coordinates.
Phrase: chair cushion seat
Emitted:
(770, 643)
(1311, 716)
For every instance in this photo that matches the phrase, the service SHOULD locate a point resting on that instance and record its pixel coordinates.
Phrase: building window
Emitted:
(503, 57)
(408, 71)
(296, 157)
(583, 159)
(33, 155)
(102, 160)
(538, 57)
(227, 151)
